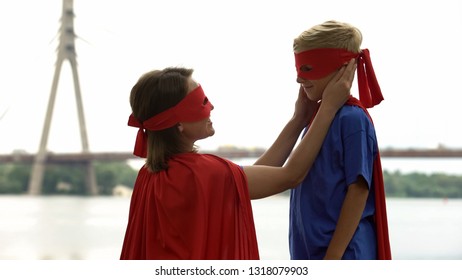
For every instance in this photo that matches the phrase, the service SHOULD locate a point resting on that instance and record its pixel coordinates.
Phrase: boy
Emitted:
(338, 211)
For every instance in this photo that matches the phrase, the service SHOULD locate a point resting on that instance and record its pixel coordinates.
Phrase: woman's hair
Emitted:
(330, 34)
(155, 92)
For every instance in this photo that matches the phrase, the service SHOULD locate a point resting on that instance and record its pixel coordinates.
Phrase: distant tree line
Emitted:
(438, 185)
(66, 179)
(14, 179)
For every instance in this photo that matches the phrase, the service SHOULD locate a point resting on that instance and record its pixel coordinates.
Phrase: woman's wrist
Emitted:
(328, 109)
(299, 122)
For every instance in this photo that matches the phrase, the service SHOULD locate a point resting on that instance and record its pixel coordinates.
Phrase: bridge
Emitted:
(233, 153)
(63, 158)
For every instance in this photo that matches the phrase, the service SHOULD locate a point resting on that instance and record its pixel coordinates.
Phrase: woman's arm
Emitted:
(264, 181)
(278, 152)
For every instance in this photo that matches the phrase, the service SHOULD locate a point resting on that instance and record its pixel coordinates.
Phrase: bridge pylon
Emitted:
(65, 51)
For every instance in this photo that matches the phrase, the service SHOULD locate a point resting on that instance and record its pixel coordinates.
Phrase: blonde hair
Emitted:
(330, 34)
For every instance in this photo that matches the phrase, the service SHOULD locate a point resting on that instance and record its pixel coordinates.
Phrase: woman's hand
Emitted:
(338, 89)
(304, 108)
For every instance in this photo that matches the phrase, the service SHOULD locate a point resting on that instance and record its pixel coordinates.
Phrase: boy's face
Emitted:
(315, 88)
(316, 67)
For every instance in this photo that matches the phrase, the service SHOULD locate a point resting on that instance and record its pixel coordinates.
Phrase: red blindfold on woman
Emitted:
(317, 63)
(193, 107)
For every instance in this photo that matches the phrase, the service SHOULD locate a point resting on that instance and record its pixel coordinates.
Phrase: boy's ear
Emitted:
(180, 127)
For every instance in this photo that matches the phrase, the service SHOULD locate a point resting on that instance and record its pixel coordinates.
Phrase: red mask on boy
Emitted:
(324, 61)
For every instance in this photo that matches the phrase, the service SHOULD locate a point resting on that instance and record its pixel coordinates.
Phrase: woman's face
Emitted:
(197, 130)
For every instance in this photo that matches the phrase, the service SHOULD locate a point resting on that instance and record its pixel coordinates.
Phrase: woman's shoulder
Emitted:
(204, 165)
(205, 160)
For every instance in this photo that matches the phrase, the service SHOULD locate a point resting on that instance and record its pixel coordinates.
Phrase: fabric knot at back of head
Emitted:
(324, 61)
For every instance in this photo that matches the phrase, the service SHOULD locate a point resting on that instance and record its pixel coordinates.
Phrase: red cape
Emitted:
(383, 241)
(197, 209)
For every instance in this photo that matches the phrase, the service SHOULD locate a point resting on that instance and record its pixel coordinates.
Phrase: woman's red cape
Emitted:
(197, 209)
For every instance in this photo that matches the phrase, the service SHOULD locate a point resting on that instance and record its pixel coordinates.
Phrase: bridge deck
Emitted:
(230, 154)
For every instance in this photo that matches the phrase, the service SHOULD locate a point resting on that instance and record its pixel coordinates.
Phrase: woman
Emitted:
(187, 205)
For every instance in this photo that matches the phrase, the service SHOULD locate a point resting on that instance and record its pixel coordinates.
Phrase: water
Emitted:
(61, 227)
(65, 228)
(419, 228)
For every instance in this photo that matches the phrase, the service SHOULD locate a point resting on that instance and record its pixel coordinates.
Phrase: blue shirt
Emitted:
(348, 152)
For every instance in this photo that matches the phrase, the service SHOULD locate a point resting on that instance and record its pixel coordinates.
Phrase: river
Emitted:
(92, 228)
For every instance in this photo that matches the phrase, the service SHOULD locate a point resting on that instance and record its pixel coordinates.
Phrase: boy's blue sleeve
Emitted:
(360, 148)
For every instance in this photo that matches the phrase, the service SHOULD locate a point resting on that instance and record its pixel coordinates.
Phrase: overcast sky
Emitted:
(241, 51)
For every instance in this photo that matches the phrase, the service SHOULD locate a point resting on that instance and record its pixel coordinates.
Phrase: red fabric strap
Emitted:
(195, 106)
(323, 61)
(369, 89)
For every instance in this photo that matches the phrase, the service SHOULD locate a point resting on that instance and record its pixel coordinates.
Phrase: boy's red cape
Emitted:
(383, 241)
(191, 211)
